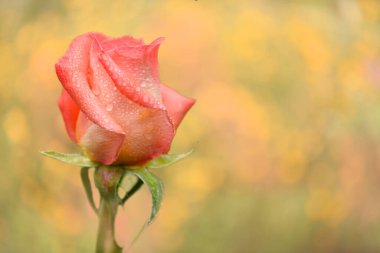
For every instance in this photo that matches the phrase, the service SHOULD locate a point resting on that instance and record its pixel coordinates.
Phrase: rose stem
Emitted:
(107, 181)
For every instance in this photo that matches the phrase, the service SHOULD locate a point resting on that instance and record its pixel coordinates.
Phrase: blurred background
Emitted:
(286, 126)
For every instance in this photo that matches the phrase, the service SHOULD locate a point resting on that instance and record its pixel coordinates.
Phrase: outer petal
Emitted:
(176, 104)
(99, 144)
(149, 134)
(72, 72)
(69, 111)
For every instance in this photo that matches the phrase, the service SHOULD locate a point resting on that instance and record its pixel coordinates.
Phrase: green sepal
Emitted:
(73, 159)
(87, 186)
(84, 161)
(166, 160)
(136, 186)
(156, 189)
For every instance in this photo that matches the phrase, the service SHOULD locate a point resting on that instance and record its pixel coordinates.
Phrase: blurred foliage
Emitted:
(286, 127)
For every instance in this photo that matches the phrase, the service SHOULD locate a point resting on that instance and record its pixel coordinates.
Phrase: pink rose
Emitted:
(113, 103)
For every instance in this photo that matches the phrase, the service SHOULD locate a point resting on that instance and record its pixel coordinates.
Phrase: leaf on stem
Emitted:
(73, 159)
(166, 160)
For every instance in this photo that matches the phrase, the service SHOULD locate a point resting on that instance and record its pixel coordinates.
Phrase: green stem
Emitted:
(107, 181)
(106, 233)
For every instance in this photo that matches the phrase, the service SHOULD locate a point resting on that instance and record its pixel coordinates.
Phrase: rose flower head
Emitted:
(113, 103)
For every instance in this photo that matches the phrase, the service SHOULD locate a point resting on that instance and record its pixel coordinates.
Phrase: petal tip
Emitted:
(155, 45)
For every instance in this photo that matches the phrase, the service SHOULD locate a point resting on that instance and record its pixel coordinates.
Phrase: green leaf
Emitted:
(166, 160)
(87, 186)
(156, 189)
(73, 159)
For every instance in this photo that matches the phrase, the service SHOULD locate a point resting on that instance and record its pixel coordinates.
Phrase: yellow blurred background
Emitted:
(286, 126)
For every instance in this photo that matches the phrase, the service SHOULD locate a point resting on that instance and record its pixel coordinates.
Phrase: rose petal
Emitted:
(135, 73)
(99, 144)
(69, 111)
(176, 104)
(149, 134)
(152, 56)
(114, 43)
(72, 72)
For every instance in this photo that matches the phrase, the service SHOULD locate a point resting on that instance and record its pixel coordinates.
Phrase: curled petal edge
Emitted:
(70, 112)
(176, 105)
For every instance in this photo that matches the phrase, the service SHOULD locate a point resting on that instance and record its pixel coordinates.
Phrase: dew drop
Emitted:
(109, 107)
(96, 91)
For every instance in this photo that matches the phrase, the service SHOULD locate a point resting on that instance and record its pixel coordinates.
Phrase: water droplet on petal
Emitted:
(109, 107)
(106, 62)
(96, 91)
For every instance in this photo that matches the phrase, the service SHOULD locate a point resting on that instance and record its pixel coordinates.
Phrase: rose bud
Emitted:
(113, 103)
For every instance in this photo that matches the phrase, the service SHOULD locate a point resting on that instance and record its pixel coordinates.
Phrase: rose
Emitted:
(112, 102)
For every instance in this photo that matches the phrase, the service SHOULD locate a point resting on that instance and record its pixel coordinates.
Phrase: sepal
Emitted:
(166, 160)
(73, 159)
